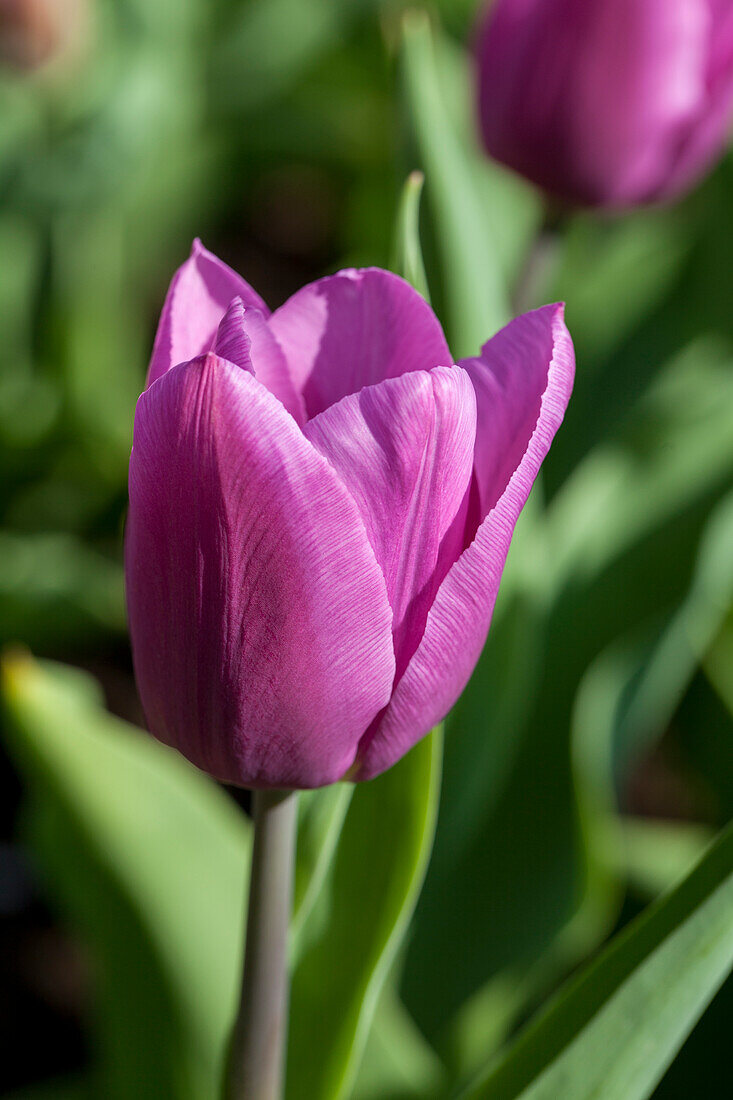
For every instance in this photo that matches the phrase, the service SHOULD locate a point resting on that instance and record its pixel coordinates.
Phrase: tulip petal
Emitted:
(355, 329)
(404, 450)
(244, 338)
(197, 298)
(232, 341)
(259, 616)
(705, 138)
(520, 405)
(510, 377)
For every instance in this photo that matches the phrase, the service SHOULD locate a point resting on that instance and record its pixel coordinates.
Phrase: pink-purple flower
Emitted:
(321, 504)
(607, 102)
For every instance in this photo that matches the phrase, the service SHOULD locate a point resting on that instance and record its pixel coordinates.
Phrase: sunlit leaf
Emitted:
(149, 859)
(476, 291)
(373, 885)
(397, 1063)
(321, 816)
(612, 1033)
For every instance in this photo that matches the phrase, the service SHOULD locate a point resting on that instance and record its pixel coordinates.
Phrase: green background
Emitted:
(590, 761)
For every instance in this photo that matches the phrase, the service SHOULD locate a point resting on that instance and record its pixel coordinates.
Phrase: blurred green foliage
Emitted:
(150, 859)
(590, 760)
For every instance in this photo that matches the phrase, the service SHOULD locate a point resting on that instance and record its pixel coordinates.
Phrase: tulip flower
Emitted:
(607, 103)
(36, 32)
(321, 503)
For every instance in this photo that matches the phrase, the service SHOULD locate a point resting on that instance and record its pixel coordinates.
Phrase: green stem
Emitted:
(538, 274)
(255, 1068)
(537, 278)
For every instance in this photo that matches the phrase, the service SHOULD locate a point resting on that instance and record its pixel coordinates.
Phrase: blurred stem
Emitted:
(538, 274)
(255, 1068)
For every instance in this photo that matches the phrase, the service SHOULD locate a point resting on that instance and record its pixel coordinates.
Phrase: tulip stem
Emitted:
(255, 1069)
(540, 267)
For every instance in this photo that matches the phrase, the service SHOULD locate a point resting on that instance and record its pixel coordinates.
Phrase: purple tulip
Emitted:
(321, 503)
(607, 102)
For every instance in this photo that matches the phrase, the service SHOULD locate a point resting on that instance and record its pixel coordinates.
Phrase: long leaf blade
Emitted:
(149, 860)
(476, 291)
(615, 1030)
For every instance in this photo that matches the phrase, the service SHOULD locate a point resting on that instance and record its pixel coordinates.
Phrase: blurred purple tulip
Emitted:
(35, 32)
(607, 102)
(321, 504)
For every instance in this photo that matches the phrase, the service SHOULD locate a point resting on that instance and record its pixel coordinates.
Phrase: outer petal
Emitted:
(510, 378)
(199, 293)
(404, 450)
(354, 329)
(259, 617)
(590, 99)
(532, 361)
(244, 338)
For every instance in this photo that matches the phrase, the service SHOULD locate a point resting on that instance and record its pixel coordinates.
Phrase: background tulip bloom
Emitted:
(607, 102)
(321, 504)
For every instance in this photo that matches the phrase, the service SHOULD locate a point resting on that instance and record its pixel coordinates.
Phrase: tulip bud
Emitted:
(321, 502)
(607, 103)
(34, 33)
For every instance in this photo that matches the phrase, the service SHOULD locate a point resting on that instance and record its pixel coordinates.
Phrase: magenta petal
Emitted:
(510, 380)
(259, 617)
(532, 364)
(704, 140)
(197, 298)
(232, 341)
(244, 338)
(355, 329)
(404, 450)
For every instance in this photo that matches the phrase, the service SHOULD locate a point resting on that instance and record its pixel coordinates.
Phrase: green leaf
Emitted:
(626, 698)
(674, 448)
(365, 908)
(475, 284)
(484, 735)
(718, 663)
(618, 560)
(321, 816)
(512, 208)
(397, 1063)
(656, 854)
(149, 859)
(613, 1032)
(407, 258)
(686, 640)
